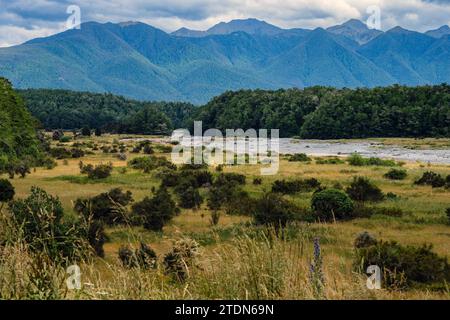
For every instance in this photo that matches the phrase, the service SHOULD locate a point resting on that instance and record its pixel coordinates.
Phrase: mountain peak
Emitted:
(440, 32)
(355, 30)
(250, 26)
(399, 30)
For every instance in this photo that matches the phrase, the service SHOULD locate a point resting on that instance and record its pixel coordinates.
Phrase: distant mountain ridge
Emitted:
(139, 61)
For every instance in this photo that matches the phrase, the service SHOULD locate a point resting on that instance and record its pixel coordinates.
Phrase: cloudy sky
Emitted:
(21, 20)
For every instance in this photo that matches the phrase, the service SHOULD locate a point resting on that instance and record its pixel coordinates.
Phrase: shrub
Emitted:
(295, 186)
(7, 191)
(101, 171)
(430, 178)
(364, 240)
(86, 131)
(109, 207)
(257, 181)
(182, 257)
(330, 161)
(188, 196)
(148, 149)
(39, 220)
(273, 210)
(396, 174)
(60, 153)
(156, 211)
(225, 178)
(57, 135)
(98, 132)
(404, 266)
(65, 139)
(300, 157)
(362, 189)
(332, 204)
(97, 237)
(150, 163)
(144, 257)
(122, 157)
(169, 177)
(77, 153)
(357, 160)
(448, 215)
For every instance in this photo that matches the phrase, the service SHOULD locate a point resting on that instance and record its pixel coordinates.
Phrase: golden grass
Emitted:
(229, 265)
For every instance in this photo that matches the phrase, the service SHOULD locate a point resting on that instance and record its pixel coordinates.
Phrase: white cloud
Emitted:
(21, 20)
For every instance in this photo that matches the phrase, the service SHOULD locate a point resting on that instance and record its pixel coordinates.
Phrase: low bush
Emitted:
(300, 157)
(364, 240)
(181, 258)
(433, 179)
(225, 178)
(7, 191)
(448, 215)
(295, 186)
(273, 210)
(101, 171)
(39, 222)
(188, 196)
(362, 189)
(108, 207)
(396, 174)
(357, 160)
(330, 161)
(144, 257)
(151, 163)
(332, 204)
(257, 181)
(157, 211)
(404, 266)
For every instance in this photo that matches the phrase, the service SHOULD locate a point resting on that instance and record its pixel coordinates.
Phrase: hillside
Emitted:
(141, 62)
(18, 140)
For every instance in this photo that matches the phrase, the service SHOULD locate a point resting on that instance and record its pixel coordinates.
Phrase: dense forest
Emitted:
(18, 137)
(315, 112)
(64, 109)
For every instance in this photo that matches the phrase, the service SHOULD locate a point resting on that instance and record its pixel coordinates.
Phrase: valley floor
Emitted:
(234, 263)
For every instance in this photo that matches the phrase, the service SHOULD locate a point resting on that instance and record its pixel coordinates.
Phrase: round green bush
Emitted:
(330, 204)
(396, 174)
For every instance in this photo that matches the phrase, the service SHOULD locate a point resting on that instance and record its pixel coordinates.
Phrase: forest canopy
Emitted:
(313, 113)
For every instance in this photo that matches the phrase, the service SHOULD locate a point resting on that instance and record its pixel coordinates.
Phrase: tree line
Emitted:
(313, 113)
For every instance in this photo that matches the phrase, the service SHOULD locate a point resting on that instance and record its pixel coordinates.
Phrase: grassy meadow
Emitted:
(235, 260)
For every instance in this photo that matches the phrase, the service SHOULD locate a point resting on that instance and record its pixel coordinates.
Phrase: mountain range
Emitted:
(139, 61)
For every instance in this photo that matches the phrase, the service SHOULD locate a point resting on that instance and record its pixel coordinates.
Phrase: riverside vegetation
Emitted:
(141, 227)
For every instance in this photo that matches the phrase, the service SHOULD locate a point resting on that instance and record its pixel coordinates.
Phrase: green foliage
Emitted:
(150, 163)
(156, 211)
(273, 210)
(330, 161)
(98, 172)
(86, 131)
(448, 215)
(225, 178)
(362, 189)
(396, 174)
(300, 157)
(57, 109)
(364, 240)
(295, 186)
(39, 220)
(433, 179)
(395, 111)
(332, 204)
(357, 160)
(189, 197)
(404, 266)
(19, 142)
(7, 191)
(109, 207)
